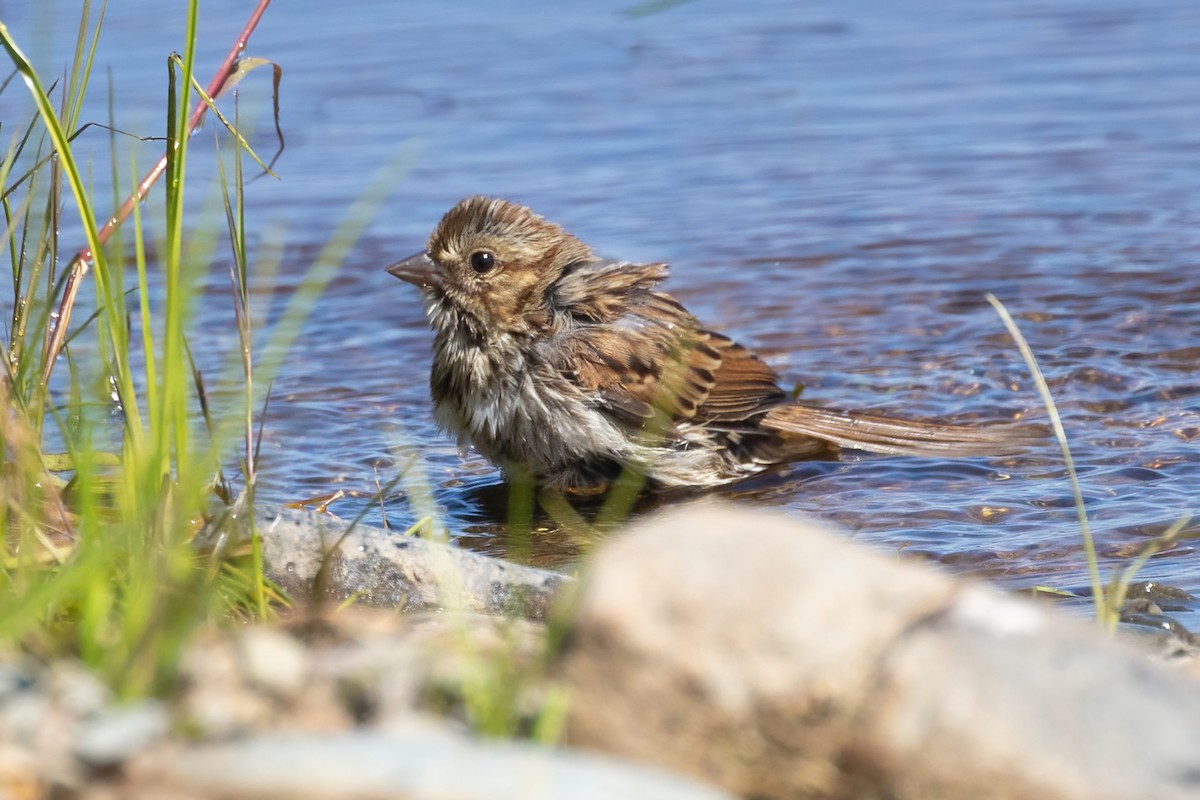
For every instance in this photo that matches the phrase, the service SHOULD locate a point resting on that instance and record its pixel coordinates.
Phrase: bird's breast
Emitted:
(514, 408)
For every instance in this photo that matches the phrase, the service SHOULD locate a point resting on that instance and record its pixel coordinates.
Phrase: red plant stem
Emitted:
(81, 262)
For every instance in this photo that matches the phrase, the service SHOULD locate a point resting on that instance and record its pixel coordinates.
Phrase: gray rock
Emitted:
(305, 552)
(780, 660)
(413, 767)
(117, 734)
(76, 690)
(24, 716)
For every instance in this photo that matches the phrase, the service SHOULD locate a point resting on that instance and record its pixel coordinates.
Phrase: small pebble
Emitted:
(274, 661)
(77, 690)
(22, 717)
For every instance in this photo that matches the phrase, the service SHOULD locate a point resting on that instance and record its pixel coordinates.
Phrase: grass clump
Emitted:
(112, 454)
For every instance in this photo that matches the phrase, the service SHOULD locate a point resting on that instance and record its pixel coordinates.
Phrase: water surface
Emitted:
(837, 184)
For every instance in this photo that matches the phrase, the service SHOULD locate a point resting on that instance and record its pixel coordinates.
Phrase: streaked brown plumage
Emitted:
(555, 363)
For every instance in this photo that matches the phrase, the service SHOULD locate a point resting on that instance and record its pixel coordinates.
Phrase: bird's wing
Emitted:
(639, 350)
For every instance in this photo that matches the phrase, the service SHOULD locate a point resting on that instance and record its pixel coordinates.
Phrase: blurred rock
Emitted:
(40, 713)
(305, 551)
(116, 734)
(76, 690)
(389, 676)
(23, 716)
(353, 667)
(256, 679)
(215, 700)
(416, 766)
(19, 774)
(779, 660)
(274, 661)
(15, 680)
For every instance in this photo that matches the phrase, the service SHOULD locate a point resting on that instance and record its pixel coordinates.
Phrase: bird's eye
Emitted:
(482, 261)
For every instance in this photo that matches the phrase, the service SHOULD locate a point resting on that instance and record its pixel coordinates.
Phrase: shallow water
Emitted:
(835, 184)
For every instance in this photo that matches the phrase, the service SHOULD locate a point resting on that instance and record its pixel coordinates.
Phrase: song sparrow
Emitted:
(560, 365)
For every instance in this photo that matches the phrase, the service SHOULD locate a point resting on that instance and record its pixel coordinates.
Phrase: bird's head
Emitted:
(494, 262)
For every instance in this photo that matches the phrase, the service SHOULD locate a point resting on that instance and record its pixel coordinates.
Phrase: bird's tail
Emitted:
(876, 433)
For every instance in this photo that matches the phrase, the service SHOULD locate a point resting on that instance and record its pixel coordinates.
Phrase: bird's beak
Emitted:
(419, 270)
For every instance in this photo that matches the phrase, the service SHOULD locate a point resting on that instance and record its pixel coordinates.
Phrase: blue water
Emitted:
(837, 184)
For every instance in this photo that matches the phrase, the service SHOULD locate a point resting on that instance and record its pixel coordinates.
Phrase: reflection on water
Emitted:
(835, 184)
